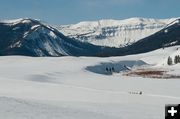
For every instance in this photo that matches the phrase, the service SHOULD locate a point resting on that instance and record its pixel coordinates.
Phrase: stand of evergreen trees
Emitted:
(176, 60)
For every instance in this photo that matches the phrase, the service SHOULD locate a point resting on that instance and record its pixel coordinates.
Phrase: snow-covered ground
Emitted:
(65, 88)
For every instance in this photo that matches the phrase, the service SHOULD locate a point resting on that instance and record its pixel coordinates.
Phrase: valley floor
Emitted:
(77, 87)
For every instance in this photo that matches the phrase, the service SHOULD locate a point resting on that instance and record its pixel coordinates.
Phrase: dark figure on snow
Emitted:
(113, 69)
(140, 93)
(107, 69)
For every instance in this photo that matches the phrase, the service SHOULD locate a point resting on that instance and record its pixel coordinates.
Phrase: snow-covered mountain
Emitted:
(114, 33)
(32, 37)
(35, 38)
(166, 37)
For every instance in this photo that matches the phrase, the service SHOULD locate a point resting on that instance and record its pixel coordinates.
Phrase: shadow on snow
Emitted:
(110, 67)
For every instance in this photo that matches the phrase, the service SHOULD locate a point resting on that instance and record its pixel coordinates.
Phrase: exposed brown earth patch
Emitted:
(151, 74)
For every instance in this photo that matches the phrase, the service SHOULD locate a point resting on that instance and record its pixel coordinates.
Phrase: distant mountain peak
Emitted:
(35, 38)
(114, 33)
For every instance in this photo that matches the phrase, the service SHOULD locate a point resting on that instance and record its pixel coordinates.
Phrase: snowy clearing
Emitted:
(64, 88)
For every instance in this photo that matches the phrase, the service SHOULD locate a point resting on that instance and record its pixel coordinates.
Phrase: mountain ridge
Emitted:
(166, 37)
(114, 33)
(33, 38)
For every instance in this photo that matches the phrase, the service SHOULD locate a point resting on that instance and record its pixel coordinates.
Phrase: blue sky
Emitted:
(59, 12)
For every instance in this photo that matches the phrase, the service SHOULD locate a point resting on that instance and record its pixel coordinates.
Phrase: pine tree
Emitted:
(176, 59)
(169, 62)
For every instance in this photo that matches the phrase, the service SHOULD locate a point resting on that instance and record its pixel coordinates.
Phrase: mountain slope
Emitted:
(33, 38)
(169, 36)
(114, 33)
